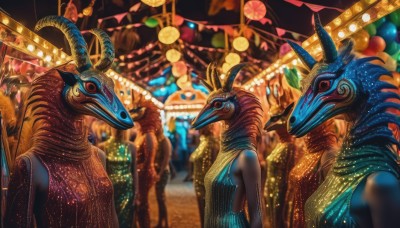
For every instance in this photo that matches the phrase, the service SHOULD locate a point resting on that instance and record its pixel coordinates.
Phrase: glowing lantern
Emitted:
(218, 40)
(232, 58)
(168, 35)
(154, 3)
(184, 83)
(240, 43)
(173, 55)
(254, 10)
(151, 22)
(179, 68)
(226, 67)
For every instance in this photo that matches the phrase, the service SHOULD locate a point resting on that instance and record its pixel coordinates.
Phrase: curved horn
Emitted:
(107, 50)
(304, 56)
(231, 75)
(327, 44)
(75, 39)
(215, 78)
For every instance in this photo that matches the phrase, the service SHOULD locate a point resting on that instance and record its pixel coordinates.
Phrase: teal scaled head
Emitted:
(88, 90)
(340, 84)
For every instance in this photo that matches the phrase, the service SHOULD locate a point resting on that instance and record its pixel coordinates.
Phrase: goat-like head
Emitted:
(88, 90)
(221, 103)
(330, 87)
(139, 106)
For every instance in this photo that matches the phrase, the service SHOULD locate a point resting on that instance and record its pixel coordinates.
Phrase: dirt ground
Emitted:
(182, 205)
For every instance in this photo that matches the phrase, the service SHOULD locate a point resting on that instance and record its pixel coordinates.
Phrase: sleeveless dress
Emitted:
(220, 191)
(329, 206)
(119, 169)
(279, 164)
(79, 193)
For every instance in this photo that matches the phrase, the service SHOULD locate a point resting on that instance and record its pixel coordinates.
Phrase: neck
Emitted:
(283, 135)
(57, 130)
(321, 139)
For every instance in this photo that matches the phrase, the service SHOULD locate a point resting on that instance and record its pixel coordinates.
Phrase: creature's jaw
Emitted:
(118, 119)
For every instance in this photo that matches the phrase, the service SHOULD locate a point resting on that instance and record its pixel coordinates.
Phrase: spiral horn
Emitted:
(107, 50)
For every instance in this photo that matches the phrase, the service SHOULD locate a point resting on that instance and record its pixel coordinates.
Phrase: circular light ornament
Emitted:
(240, 43)
(232, 58)
(179, 69)
(254, 10)
(168, 35)
(154, 3)
(226, 67)
(173, 55)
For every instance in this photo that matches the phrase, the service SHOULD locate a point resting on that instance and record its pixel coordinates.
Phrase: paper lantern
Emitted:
(218, 40)
(151, 22)
(232, 58)
(226, 67)
(173, 55)
(179, 68)
(254, 10)
(154, 3)
(240, 43)
(168, 35)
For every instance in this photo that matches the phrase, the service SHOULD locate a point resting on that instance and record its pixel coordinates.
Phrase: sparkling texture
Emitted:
(119, 169)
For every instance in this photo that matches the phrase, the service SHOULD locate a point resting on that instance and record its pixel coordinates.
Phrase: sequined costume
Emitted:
(146, 114)
(309, 172)
(162, 160)
(61, 181)
(241, 114)
(120, 166)
(202, 158)
(363, 184)
(278, 163)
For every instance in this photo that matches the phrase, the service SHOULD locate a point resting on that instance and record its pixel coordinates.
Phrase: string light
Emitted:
(40, 54)
(366, 17)
(30, 47)
(353, 27)
(341, 34)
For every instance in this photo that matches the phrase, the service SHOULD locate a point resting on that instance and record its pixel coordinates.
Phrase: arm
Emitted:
(252, 180)
(150, 148)
(21, 195)
(382, 192)
(167, 150)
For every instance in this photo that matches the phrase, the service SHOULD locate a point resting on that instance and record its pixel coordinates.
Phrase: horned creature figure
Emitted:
(235, 175)
(362, 189)
(147, 115)
(60, 178)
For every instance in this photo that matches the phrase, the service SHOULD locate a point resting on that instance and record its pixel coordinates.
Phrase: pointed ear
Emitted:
(288, 109)
(68, 77)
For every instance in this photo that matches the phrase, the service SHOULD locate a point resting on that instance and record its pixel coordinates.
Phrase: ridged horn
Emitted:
(208, 86)
(215, 78)
(231, 75)
(133, 96)
(327, 44)
(304, 56)
(107, 50)
(75, 39)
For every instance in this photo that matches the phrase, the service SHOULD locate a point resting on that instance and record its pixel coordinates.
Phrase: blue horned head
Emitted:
(339, 84)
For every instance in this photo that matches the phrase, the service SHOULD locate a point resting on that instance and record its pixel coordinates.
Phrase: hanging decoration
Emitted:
(173, 55)
(71, 13)
(240, 43)
(179, 68)
(218, 40)
(153, 3)
(151, 22)
(254, 10)
(232, 58)
(226, 67)
(88, 11)
(184, 82)
(168, 35)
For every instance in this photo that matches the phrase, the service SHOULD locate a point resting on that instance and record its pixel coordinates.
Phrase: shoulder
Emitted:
(249, 157)
(101, 155)
(382, 184)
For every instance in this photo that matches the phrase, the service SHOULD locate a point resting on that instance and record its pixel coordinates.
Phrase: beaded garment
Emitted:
(119, 169)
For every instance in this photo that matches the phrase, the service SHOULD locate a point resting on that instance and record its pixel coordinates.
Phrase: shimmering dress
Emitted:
(202, 159)
(220, 191)
(307, 174)
(279, 164)
(119, 169)
(329, 206)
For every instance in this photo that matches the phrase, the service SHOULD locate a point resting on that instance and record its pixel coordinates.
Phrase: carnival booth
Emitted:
(173, 113)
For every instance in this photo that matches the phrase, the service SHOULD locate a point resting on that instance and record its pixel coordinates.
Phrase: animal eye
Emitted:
(324, 85)
(90, 87)
(217, 104)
